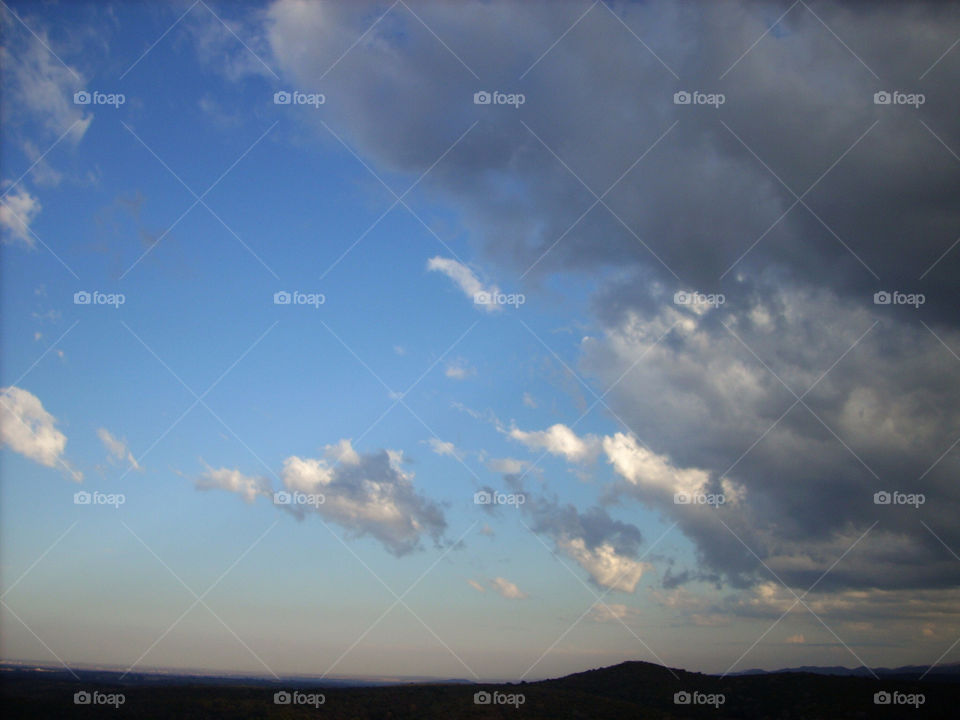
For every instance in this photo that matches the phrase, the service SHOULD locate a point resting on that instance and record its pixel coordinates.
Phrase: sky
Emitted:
(488, 340)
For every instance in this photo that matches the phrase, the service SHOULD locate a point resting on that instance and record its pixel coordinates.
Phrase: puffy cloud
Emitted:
(799, 477)
(441, 447)
(18, 209)
(27, 428)
(507, 589)
(467, 281)
(642, 468)
(606, 566)
(559, 440)
(507, 466)
(38, 89)
(368, 494)
(248, 487)
(604, 547)
(117, 448)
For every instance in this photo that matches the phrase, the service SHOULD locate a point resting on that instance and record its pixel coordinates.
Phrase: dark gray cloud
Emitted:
(711, 206)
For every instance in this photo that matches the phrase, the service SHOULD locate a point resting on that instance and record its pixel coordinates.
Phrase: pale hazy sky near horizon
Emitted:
(589, 259)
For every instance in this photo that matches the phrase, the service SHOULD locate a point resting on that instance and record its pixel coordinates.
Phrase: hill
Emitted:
(629, 690)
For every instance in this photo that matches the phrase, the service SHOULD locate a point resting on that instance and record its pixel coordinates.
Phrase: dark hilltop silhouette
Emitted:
(629, 690)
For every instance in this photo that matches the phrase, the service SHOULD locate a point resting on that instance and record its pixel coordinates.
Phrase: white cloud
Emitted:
(459, 370)
(507, 589)
(560, 440)
(507, 466)
(529, 400)
(31, 431)
(476, 586)
(639, 466)
(368, 494)
(607, 568)
(246, 486)
(18, 210)
(40, 89)
(465, 279)
(442, 448)
(117, 448)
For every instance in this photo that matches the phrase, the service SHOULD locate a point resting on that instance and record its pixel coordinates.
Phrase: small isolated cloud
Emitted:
(529, 401)
(18, 210)
(507, 589)
(476, 586)
(606, 548)
(507, 465)
(606, 566)
(459, 370)
(27, 428)
(560, 440)
(399, 350)
(441, 447)
(118, 449)
(466, 280)
(246, 486)
(368, 494)
(797, 639)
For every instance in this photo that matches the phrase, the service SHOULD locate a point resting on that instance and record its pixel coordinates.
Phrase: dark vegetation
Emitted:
(629, 690)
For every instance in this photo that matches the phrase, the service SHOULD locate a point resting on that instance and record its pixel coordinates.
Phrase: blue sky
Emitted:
(587, 389)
